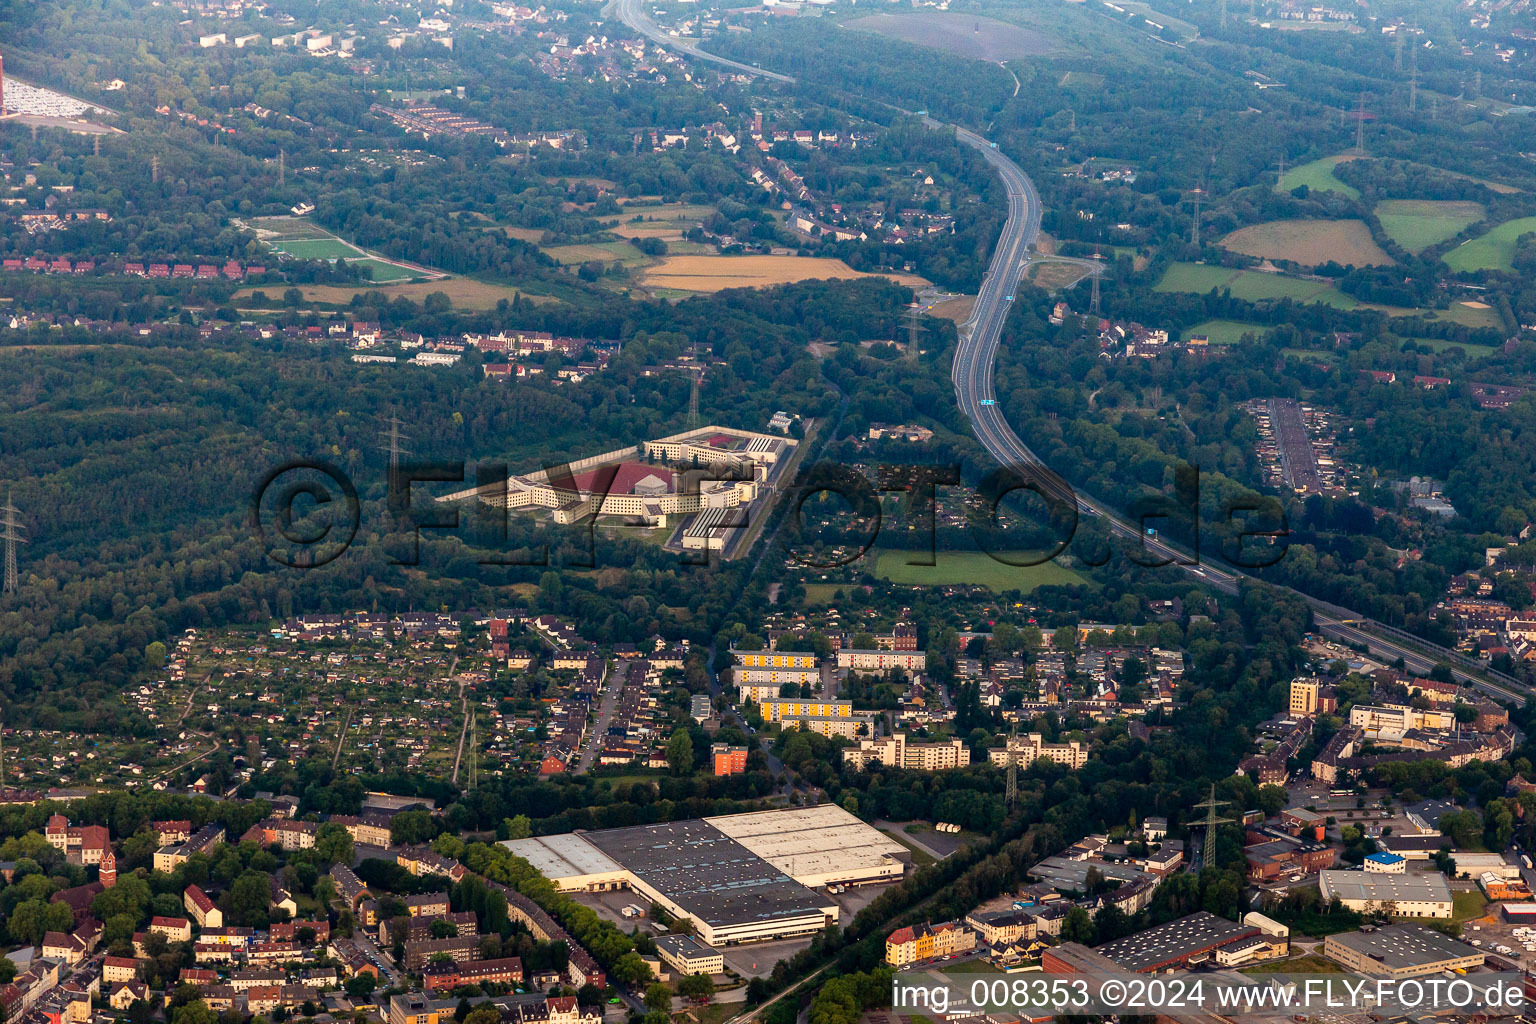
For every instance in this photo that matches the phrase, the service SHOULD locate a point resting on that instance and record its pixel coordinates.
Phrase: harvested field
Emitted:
(1309, 242)
(714, 273)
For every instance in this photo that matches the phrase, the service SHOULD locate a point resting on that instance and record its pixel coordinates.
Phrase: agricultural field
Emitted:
(1417, 224)
(974, 567)
(1309, 242)
(598, 252)
(1250, 285)
(1318, 176)
(1225, 332)
(964, 35)
(1492, 251)
(715, 273)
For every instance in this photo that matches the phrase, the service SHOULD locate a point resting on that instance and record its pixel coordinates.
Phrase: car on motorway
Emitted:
(989, 401)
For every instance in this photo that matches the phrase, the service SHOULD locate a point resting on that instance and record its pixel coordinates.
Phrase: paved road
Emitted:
(631, 13)
(972, 370)
(973, 375)
(613, 686)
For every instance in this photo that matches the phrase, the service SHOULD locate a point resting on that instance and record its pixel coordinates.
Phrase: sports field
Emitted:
(1492, 251)
(974, 567)
(1225, 332)
(1250, 285)
(302, 239)
(316, 248)
(383, 273)
(1318, 176)
(1309, 242)
(714, 273)
(1417, 224)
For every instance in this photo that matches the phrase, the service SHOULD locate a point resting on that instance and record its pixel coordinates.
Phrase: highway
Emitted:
(632, 14)
(976, 358)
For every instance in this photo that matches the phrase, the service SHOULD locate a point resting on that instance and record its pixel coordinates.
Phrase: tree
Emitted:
(658, 997)
(334, 843)
(248, 899)
(519, 827)
(361, 985)
(154, 654)
(680, 752)
(411, 828)
(485, 1013)
(195, 1012)
(698, 987)
(1078, 927)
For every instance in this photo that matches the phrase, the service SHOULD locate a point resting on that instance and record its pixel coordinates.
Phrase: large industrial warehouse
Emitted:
(739, 878)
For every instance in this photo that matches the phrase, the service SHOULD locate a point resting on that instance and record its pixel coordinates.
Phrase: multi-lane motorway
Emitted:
(976, 357)
(631, 14)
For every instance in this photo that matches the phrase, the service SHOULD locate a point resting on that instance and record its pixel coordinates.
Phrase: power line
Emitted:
(1209, 823)
(11, 524)
(1194, 235)
(395, 451)
(913, 318)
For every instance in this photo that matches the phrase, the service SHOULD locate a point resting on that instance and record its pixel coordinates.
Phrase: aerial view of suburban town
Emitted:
(767, 512)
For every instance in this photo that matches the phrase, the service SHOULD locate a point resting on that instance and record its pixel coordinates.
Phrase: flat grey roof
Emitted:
(685, 945)
(563, 856)
(1174, 941)
(1072, 875)
(1400, 946)
(1384, 887)
(707, 873)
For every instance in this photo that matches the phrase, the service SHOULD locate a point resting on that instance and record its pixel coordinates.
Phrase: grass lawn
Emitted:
(1081, 80)
(1295, 965)
(1225, 332)
(1467, 906)
(290, 227)
(1250, 285)
(1468, 314)
(1440, 345)
(317, 249)
(1306, 353)
(977, 966)
(823, 593)
(1318, 176)
(1417, 224)
(973, 567)
(600, 252)
(384, 273)
(1492, 251)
